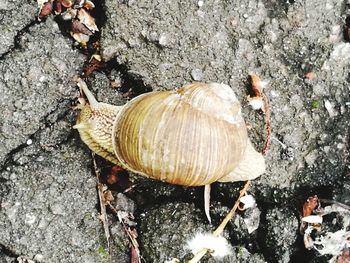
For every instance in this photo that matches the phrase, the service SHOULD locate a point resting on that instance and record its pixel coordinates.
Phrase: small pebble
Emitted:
(197, 74)
(329, 107)
(29, 219)
(29, 142)
(163, 40)
(38, 258)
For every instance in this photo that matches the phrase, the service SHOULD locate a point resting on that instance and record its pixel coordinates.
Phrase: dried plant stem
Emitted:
(103, 204)
(198, 256)
(224, 222)
(135, 251)
(101, 198)
(267, 123)
(232, 212)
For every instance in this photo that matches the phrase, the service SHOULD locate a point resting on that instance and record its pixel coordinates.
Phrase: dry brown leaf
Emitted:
(94, 64)
(113, 177)
(255, 98)
(107, 196)
(79, 3)
(87, 20)
(78, 27)
(310, 205)
(255, 83)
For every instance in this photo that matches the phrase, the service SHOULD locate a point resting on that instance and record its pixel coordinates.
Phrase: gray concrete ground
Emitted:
(49, 207)
(15, 17)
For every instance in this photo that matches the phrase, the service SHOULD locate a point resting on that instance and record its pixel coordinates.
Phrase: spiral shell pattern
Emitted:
(191, 136)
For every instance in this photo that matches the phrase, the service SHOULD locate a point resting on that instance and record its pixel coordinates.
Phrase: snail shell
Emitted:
(191, 136)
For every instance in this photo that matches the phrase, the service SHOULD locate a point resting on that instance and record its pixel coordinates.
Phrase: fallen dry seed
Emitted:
(256, 103)
(45, 10)
(89, 5)
(67, 3)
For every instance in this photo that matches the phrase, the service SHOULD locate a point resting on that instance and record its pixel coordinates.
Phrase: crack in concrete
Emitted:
(16, 40)
(130, 81)
(7, 251)
(46, 124)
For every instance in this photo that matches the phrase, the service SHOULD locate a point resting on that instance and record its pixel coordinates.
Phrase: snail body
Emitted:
(191, 136)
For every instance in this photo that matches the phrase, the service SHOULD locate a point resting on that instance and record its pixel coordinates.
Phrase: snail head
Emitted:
(95, 123)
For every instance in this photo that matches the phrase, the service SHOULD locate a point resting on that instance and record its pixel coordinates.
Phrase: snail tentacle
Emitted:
(207, 189)
(91, 98)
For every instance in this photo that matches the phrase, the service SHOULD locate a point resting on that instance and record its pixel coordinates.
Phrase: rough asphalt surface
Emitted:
(48, 201)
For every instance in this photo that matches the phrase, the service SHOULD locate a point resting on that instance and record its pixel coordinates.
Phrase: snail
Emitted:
(192, 136)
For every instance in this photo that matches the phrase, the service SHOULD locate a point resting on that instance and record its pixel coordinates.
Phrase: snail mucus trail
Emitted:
(192, 136)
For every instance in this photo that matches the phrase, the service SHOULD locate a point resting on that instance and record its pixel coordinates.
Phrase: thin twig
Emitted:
(198, 256)
(135, 252)
(224, 222)
(136, 255)
(232, 212)
(101, 198)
